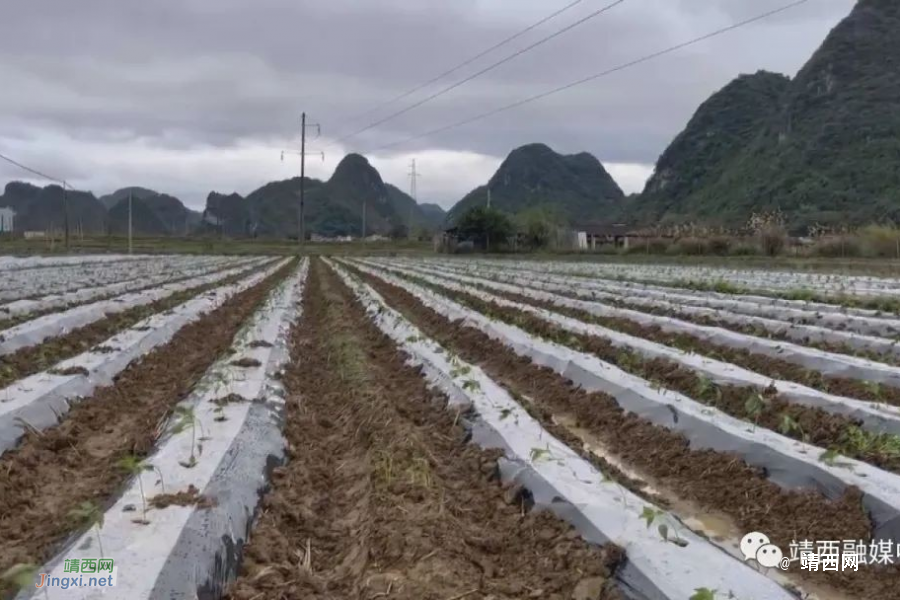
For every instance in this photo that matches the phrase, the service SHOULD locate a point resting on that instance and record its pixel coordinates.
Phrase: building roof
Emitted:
(609, 229)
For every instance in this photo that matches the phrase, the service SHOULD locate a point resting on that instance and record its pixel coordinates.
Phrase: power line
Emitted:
(465, 63)
(30, 170)
(595, 76)
(48, 177)
(491, 67)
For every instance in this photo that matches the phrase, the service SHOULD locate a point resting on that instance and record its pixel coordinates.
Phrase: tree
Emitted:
(538, 225)
(486, 227)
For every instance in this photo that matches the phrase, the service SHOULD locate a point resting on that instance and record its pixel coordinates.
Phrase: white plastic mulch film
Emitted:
(182, 550)
(564, 482)
(789, 463)
(41, 400)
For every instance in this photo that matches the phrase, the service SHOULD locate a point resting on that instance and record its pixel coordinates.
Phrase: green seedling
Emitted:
(460, 371)
(874, 388)
(88, 513)
(537, 454)
(21, 576)
(471, 385)
(704, 594)
(136, 467)
(859, 442)
(790, 426)
(184, 418)
(650, 515)
(754, 407)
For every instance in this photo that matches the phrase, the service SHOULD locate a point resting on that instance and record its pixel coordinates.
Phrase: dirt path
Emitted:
(717, 481)
(384, 498)
(52, 472)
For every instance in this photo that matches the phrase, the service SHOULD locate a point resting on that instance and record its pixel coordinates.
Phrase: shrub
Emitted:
(719, 244)
(649, 245)
(689, 246)
(744, 248)
(880, 240)
(838, 246)
(772, 240)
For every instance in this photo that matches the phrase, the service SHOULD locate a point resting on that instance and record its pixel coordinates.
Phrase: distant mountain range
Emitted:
(41, 209)
(331, 208)
(821, 148)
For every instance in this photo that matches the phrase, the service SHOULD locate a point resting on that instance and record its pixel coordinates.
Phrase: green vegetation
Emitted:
(487, 228)
(534, 176)
(820, 148)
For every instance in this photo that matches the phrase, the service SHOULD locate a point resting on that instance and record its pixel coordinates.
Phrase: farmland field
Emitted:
(258, 428)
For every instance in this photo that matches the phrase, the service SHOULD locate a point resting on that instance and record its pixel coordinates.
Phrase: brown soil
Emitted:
(383, 496)
(714, 480)
(190, 497)
(775, 368)
(54, 471)
(41, 357)
(761, 408)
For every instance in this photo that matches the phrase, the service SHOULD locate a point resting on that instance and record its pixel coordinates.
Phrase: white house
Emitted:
(7, 220)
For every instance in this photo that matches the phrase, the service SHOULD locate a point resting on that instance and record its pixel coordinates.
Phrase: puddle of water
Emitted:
(717, 527)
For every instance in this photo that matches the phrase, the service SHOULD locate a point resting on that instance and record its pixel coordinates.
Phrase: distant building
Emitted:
(594, 235)
(7, 220)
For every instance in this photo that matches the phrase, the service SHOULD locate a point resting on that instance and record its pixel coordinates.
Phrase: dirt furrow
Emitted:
(384, 498)
(713, 480)
(52, 472)
(773, 367)
(43, 356)
(763, 408)
(7, 323)
(757, 330)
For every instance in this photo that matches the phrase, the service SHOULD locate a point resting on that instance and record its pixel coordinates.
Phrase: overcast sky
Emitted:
(188, 96)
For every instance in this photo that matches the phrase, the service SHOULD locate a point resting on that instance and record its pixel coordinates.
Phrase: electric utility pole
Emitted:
(413, 176)
(66, 212)
(300, 215)
(130, 244)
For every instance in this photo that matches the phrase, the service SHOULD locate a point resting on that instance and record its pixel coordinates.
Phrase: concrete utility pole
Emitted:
(300, 216)
(413, 192)
(130, 244)
(302, 232)
(66, 212)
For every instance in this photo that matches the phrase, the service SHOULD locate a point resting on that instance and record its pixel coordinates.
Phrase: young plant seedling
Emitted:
(831, 457)
(21, 576)
(754, 406)
(537, 454)
(89, 513)
(136, 467)
(471, 385)
(704, 594)
(651, 514)
(789, 425)
(184, 418)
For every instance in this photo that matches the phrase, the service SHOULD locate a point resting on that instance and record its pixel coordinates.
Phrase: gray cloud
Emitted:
(181, 77)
